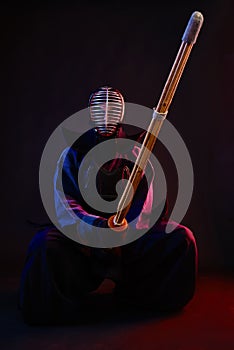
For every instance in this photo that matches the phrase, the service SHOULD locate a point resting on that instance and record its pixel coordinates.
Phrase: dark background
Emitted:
(54, 54)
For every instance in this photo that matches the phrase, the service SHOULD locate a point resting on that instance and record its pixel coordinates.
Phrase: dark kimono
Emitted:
(156, 271)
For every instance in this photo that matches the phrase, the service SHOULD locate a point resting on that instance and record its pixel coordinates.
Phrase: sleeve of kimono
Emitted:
(69, 205)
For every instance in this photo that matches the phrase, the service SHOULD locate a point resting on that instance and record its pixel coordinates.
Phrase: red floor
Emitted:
(207, 323)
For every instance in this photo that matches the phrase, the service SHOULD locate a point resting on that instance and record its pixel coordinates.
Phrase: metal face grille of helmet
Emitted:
(106, 110)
